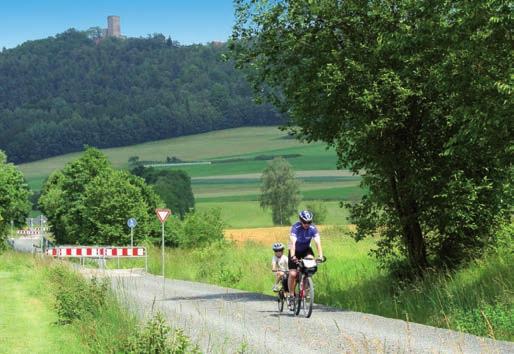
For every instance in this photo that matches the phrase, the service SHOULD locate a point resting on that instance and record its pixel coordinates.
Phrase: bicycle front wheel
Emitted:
(280, 301)
(298, 296)
(308, 299)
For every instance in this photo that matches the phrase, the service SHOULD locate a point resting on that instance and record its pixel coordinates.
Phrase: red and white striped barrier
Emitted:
(96, 252)
(28, 232)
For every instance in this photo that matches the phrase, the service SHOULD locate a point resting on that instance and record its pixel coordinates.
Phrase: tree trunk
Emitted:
(413, 237)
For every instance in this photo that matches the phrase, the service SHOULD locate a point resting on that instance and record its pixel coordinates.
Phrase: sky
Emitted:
(186, 21)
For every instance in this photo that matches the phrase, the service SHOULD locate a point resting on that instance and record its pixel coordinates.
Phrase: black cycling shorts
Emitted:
(299, 255)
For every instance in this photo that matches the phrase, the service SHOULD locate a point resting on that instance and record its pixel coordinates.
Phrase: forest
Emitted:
(63, 92)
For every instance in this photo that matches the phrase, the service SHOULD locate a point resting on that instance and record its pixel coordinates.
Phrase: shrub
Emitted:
(76, 298)
(229, 275)
(200, 228)
(157, 337)
(489, 320)
(319, 210)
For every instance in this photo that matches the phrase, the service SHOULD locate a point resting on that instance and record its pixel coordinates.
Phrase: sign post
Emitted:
(162, 215)
(42, 220)
(131, 223)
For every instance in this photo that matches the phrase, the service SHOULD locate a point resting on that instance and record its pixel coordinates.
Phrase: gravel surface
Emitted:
(25, 244)
(224, 320)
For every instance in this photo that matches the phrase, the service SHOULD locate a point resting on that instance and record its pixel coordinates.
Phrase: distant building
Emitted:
(113, 26)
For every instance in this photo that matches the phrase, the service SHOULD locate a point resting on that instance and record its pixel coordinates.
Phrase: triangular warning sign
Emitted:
(162, 214)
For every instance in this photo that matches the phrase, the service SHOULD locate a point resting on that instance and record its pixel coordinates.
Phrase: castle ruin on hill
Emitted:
(113, 27)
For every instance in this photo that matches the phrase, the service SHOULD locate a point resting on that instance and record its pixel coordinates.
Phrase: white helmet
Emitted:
(278, 247)
(305, 216)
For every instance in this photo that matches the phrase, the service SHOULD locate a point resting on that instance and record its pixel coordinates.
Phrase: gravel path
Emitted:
(24, 244)
(225, 320)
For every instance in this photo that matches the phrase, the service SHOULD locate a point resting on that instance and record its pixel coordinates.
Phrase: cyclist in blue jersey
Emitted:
(302, 232)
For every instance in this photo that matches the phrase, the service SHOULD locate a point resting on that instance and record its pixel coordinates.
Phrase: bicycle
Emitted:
(304, 291)
(281, 294)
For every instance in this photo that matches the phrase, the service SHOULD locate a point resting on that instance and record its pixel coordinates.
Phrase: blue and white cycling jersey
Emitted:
(303, 236)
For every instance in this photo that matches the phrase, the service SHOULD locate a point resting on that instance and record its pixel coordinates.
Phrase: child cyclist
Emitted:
(279, 265)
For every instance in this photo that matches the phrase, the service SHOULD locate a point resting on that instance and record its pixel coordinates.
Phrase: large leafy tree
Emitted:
(109, 201)
(89, 202)
(415, 95)
(14, 194)
(279, 190)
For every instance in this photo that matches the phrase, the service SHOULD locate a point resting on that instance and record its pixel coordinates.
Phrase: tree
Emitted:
(319, 210)
(14, 197)
(109, 200)
(279, 190)
(89, 202)
(174, 188)
(417, 95)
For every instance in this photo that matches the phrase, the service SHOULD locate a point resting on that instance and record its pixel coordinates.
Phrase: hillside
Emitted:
(60, 93)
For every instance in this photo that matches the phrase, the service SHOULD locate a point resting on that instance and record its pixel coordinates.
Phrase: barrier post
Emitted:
(146, 260)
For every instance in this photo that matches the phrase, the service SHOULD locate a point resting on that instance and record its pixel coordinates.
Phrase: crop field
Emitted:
(213, 145)
(229, 187)
(231, 181)
(248, 214)
(269, 235)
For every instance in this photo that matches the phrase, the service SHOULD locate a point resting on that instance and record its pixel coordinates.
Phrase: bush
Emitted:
(200, 228)
(157, 337)
(504, 242)
(76, 298)
(319, 210)
(494, 321)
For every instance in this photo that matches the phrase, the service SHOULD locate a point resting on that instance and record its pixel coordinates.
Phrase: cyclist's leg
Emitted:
(291, 283)
(285, 281)
(278, 281)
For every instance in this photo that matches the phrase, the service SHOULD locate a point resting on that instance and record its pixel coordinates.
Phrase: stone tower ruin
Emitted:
(113, 26)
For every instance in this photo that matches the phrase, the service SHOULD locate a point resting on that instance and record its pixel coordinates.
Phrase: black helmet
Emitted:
(278, 247)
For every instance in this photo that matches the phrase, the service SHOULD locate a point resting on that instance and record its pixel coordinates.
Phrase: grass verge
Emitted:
(46, 307)
(27, 318)
(104, 325)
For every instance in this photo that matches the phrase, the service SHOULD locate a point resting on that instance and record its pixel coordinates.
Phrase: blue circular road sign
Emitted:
(131, 223)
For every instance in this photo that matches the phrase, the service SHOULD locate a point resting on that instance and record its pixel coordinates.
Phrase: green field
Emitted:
(238, 157)
(213, 145)
(241, 214)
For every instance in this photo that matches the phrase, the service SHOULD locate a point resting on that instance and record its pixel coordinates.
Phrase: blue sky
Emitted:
(187, 21)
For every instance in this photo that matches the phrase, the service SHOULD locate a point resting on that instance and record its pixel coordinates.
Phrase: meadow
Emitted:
(220, 145)
(248, 214)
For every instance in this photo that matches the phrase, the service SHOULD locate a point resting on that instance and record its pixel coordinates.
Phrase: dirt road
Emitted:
(225, 320)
